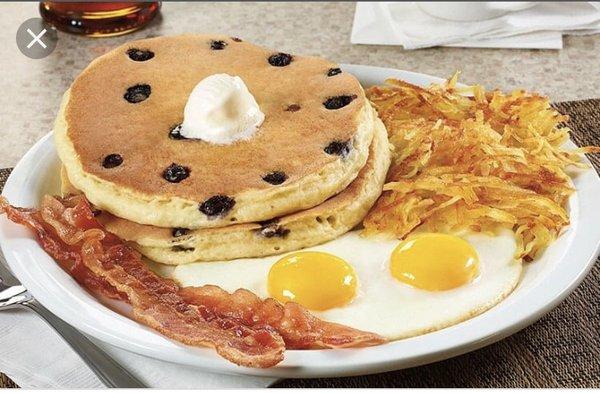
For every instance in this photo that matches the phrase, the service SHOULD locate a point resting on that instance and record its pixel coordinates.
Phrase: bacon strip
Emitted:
(69, 232)
(67, 255)
(156, 303)
(299, 328)
(241, 327)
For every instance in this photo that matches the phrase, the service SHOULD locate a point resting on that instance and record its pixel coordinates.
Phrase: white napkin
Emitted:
(403, 23)
(34, 356)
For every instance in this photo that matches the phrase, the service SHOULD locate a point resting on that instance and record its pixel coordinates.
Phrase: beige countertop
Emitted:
(31, 89)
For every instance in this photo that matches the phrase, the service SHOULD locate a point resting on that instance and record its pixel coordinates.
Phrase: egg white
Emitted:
(383, 304)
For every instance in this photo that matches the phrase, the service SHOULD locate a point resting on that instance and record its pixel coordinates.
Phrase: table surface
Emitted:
(32, 88)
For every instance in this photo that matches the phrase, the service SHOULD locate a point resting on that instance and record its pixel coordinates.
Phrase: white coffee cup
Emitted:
(468, 11)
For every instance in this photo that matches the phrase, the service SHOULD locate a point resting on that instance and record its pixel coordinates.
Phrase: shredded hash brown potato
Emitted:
(465, 158)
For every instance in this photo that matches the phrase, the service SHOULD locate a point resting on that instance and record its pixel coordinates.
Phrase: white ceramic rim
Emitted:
(56, 290)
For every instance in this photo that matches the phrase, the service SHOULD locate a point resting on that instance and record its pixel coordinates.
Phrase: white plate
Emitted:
(545, 283)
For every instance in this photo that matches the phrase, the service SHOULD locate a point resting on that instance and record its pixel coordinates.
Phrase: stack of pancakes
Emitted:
(310, 173)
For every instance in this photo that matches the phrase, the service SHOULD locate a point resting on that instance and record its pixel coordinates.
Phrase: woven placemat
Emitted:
(560, 350)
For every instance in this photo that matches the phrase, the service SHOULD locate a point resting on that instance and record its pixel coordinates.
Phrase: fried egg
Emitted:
(395, 288)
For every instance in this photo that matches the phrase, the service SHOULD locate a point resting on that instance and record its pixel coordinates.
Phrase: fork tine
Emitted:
(9, 292)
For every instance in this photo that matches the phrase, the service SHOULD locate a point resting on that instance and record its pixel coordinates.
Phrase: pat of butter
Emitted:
(221, 110)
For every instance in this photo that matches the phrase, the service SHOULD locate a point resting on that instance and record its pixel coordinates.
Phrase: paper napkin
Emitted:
(34, 356)
(404, 23)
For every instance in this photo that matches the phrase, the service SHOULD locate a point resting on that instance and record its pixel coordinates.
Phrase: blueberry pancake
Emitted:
(118, 134)
(306, 228)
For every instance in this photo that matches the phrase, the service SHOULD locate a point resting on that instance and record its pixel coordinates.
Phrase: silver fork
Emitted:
(111, 373)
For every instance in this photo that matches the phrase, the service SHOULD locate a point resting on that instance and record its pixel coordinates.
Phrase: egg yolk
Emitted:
(317, 280)
(434, 262)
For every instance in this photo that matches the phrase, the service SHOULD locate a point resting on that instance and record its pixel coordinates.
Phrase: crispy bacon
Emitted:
(156, 303)
(101, 262)
(299, 328)
(241, 327)
(57, 238)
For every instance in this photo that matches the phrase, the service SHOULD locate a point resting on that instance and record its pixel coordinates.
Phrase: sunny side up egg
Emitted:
(397, 289)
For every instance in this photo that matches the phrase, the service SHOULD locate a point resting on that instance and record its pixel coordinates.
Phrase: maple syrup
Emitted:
(98, 19)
